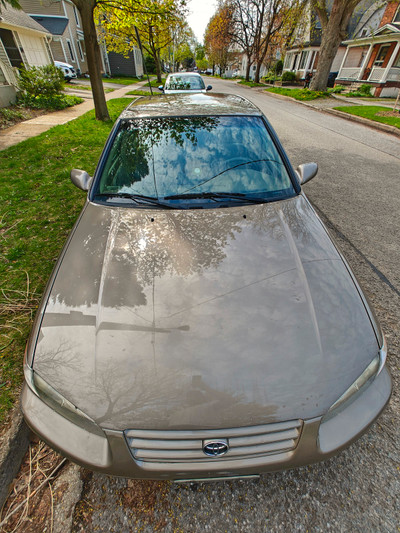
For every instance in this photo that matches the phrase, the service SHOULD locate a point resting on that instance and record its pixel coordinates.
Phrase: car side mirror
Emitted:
(209, 87)
(81, 179)
(161, 87)
(306, 172)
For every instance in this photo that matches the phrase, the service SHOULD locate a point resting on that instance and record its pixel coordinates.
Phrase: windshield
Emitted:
(180, 82)
(183, 158)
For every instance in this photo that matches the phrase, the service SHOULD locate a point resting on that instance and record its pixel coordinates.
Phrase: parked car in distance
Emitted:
(185, 82)
(68, 70)
(200, 322)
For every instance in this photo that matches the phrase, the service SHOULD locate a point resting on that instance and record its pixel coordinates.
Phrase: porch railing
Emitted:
(394, 74)
(349, 73)
(376, 74)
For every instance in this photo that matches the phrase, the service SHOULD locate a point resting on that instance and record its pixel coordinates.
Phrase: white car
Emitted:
(184, 82)
(68, 70)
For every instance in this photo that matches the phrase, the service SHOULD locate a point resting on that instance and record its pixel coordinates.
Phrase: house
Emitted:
(302, 56)
(119, 65)
(22, 42)
(62, 20)
(373, 55)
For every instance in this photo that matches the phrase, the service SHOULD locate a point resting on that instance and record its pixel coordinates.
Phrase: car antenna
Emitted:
(144, 62)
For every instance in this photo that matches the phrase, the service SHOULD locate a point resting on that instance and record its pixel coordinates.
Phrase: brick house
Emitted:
(373, 56)
(302, 56)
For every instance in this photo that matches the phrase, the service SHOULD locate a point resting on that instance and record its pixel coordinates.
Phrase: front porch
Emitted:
(374, 60)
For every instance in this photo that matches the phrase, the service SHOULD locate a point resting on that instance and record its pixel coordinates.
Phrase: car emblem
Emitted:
(215, 448)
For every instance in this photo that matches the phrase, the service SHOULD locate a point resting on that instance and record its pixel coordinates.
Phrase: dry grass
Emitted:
(30, 505)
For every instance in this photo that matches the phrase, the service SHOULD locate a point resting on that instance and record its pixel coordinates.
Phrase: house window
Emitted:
(70, 51)
(76, 16)
(380, 58)
(303, 59)
(80, 49)
(14, 53)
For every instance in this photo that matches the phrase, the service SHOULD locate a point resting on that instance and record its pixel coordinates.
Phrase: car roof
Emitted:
(184, 74)
(190, 105)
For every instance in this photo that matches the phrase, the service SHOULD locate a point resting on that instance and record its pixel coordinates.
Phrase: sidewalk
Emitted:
(35, 126)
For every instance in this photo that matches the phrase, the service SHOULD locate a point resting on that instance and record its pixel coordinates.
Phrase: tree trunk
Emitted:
(158, 67)
(248, 67)
(93, 57)
(257, 73)
(333, 32)
(329, 46)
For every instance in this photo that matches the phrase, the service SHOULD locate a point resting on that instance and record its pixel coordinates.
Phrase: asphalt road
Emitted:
(357, 193)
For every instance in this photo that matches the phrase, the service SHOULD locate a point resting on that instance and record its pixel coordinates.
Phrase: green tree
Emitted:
(184, 56)
(12, 3)
(155, 27)
(89, 11)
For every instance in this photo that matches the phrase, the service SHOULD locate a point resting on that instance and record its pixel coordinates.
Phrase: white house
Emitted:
(23, 42)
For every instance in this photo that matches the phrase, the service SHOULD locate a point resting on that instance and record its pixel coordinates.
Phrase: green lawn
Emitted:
(299, 94)
(86, 88)
(145, 93)
(155, 83)
(385, 115)
(123, 80)
(39, 206)
(251, 83)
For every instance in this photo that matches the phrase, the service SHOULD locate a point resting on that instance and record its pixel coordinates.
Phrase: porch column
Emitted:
(365, 62)
(343, 61)
(391, 61)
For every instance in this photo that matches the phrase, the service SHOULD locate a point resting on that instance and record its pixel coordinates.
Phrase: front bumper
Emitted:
(110, 454)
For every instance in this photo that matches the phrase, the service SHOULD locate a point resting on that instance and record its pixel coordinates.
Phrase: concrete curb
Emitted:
(353, 118)
(14, 444)
(361, 120)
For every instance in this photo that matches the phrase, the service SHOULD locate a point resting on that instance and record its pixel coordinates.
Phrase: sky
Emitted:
(200, 12)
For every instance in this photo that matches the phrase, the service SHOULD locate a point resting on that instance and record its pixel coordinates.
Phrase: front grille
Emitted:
(187, 446)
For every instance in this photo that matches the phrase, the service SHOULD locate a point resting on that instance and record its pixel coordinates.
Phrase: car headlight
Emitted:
(373, 369)
(58, 403)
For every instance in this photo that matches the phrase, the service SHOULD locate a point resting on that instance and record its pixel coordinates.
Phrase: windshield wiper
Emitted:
(232, 168)
(216, 196)
(137, 198)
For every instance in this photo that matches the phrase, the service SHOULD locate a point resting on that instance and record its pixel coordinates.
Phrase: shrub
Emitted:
(46, 81)
(55, 102)
(279, 66)
(365, 89)
(288, 76)
(337, 89)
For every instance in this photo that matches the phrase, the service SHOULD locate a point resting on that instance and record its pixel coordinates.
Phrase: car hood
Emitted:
(174, 319)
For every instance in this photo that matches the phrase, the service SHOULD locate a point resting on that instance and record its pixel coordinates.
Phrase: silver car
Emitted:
(184, 82)
(200, 322)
